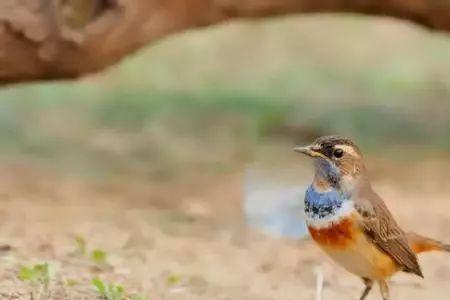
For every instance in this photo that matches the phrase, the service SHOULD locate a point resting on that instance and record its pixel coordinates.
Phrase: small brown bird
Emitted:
(351, 223)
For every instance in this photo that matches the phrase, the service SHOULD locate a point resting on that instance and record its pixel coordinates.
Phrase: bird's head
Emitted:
(338, 161)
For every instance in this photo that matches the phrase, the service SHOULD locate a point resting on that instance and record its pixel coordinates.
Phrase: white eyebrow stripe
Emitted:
(348, 149)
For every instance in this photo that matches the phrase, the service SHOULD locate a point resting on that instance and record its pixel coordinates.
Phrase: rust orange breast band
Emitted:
(338, 235)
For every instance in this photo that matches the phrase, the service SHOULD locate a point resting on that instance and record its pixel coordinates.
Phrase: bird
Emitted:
(351, 222)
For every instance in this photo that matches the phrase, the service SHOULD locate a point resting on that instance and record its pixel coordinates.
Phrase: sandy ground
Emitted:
(185, 240)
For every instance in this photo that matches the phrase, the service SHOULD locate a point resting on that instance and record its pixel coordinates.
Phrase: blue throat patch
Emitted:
(320, 205)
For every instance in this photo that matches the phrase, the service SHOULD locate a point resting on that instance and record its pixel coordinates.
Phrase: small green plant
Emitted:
(108, 291)
(98, 256)
(173, 279)
(71, 282)
(37, 274)
(81, 245)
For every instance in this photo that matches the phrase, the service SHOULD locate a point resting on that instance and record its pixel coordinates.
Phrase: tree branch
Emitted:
(57, 39)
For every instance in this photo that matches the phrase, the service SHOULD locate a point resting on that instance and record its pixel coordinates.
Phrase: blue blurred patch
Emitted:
(275, 210)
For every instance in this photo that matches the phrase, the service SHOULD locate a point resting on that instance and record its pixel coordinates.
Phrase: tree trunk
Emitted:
(56, 39)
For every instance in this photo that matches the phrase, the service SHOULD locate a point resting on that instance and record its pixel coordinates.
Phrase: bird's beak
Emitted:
(310, 151)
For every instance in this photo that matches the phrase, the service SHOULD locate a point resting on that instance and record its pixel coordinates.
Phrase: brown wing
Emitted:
(379, 226)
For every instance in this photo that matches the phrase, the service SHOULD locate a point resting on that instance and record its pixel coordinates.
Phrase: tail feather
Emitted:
(419, 244)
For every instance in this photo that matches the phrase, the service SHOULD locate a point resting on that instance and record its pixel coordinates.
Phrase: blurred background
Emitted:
(177, 163)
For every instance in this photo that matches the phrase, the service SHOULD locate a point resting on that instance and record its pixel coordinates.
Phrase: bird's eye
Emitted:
(338, 153)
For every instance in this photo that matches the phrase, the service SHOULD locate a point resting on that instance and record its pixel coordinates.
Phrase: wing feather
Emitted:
(381, 228)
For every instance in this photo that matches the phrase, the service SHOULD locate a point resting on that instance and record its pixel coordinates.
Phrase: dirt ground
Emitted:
(187, 240)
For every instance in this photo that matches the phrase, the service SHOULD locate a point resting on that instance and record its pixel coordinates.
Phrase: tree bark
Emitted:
(57, 39)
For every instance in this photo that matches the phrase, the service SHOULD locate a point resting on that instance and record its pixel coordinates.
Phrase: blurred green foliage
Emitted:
(208, 98)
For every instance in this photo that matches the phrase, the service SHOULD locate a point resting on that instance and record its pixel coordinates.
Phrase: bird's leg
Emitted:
(384, 289)
(369, 283)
